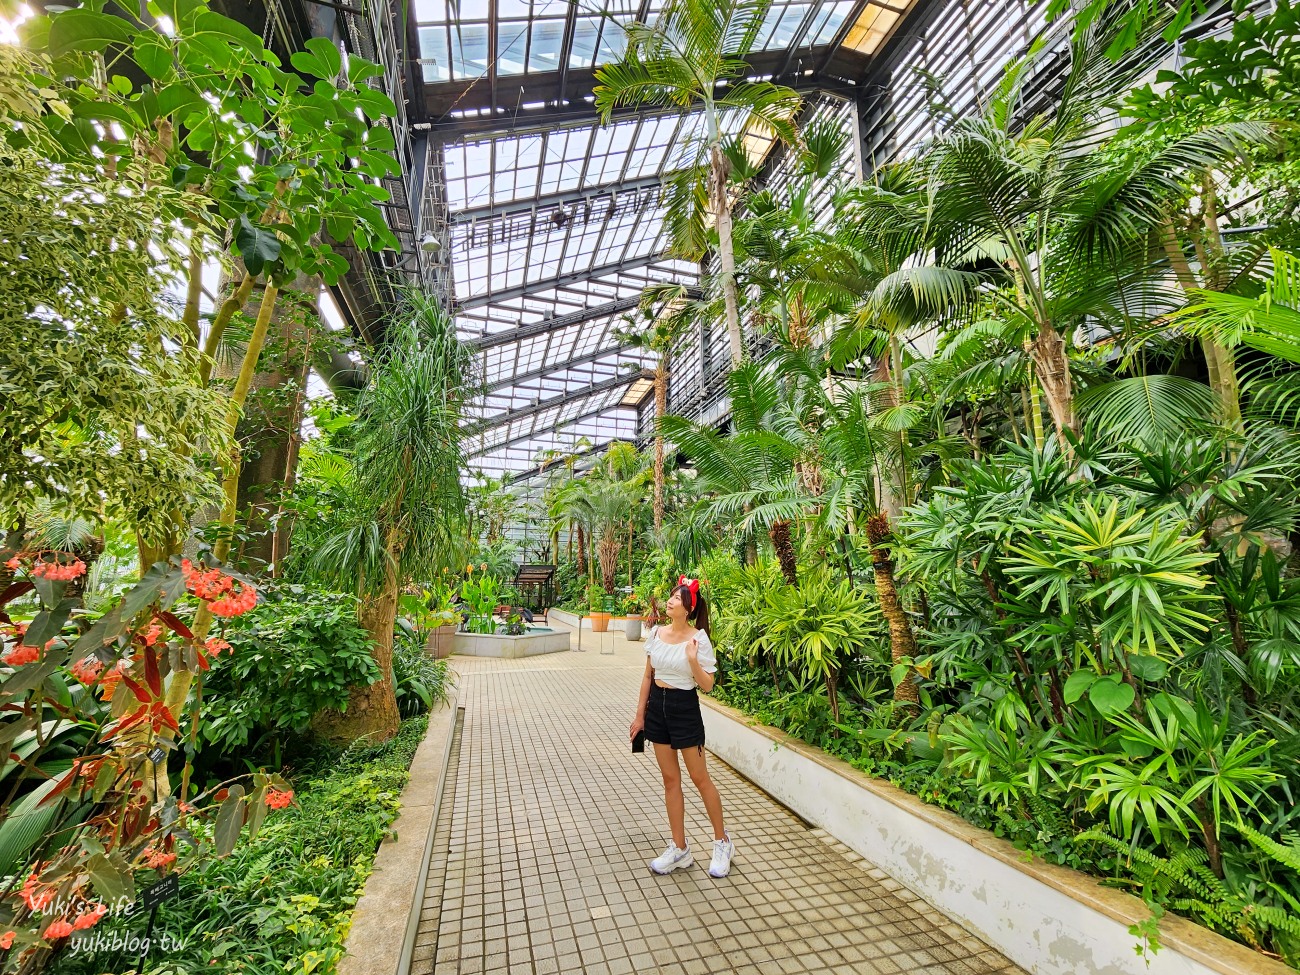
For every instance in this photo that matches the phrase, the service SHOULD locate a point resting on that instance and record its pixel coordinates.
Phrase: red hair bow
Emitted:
(693, 585)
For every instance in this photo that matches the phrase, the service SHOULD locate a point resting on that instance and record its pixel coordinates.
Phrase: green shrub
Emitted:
(419, 681)
(294, 655)
(283, 903)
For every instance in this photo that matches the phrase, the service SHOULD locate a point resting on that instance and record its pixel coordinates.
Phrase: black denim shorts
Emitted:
(672, 717)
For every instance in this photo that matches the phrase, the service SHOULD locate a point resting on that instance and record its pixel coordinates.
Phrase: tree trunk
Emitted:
(607, 551)
(726, 251)
(582, 551)
(372, 711)
(270, 426)
(1053, 368)
(661, 407)
(902, 642)
(887, 485)
(1220, 362)
(780, 535)
(233, 462)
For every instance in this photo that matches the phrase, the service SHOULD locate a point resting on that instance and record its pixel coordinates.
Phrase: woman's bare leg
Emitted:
(666, 756)
(699, 773)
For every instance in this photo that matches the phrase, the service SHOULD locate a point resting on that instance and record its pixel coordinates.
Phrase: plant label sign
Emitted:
(164, 890)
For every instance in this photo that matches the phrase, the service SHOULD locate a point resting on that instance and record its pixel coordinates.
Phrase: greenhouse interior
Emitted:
(627, 486)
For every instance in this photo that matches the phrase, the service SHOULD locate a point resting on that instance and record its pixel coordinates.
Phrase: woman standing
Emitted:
(679, 661)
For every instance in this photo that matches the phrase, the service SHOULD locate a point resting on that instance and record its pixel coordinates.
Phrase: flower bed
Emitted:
(284, 901)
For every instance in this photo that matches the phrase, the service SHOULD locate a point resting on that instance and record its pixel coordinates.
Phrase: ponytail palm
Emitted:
(403, 521)
(680, 61)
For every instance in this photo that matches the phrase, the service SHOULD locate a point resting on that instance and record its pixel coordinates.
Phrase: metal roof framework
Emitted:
(552, 224)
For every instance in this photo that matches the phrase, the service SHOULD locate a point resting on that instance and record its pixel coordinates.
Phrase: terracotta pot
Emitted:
(599, 622)
(441, 640)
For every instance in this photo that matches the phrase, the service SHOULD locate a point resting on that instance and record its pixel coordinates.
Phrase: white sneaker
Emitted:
(672, 858)
(723, 850)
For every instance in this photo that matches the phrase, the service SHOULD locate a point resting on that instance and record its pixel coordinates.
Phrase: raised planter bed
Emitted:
(1048, 919)
(501, 645)
(571, 620)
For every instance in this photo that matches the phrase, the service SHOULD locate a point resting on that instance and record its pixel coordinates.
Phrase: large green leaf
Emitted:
(1109, 696)
(258, 246)
(86, 30)
(320, 60)
(211, 22)
(25, 825)
(153, 54)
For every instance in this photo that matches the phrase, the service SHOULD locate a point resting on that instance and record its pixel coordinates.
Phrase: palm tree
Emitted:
(692, 57)
(798, 273)
(608, 504)
(668, 311)
(1055, 215)
(404, 522)
(752, 474)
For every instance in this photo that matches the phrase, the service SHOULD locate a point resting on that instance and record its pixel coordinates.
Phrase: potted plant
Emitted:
(596, 603)
(444, 620)
(634, 608)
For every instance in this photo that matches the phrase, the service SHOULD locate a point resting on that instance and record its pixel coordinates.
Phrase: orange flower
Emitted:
(88, 919)
(7, 940)
(87, 669)
(157, 859)
(278, 798)
(59, 929)
(469, 569)
(20, 655)
(34, 899)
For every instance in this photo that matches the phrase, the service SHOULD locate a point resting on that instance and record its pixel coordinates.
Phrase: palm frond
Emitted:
(1147, 409)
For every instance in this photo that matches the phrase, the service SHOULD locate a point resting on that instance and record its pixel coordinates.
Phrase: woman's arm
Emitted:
(703, 679)
(638, 722)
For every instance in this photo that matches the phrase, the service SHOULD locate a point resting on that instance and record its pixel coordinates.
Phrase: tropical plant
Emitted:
(812, 629)
(80, 314)
(693, 58)
(402, 523)
(481, 595)
(1027, 193)
(115, 801)
(668, 312)
(751, 474)
(296, 654)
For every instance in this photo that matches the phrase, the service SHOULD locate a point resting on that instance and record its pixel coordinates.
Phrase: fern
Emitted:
(1184, 883)
(1288, 855)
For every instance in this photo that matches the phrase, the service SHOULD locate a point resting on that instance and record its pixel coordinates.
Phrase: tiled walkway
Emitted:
(547, 825)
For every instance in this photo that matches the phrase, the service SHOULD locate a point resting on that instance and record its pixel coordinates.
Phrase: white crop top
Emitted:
(670, 663)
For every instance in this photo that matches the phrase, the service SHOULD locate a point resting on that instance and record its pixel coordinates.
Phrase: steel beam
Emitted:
(481, 426)
(554, 324)
(548, 200)
(589, 454)
(544, 371)
(589, 414)
(557, 281)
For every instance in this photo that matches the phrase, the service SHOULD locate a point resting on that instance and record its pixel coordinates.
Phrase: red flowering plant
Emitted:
(78, 838)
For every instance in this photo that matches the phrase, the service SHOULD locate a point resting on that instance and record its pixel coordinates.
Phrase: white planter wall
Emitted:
(1047, 919)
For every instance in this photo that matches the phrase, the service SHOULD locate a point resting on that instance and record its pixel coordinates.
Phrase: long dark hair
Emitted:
(697, 610)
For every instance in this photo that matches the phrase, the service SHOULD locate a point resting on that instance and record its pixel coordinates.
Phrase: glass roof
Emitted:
(459, 37)
(554, 223)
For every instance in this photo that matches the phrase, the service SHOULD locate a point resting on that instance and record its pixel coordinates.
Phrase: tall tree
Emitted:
(405, 523)
(1032, 196)
(668, 312)
(693, 58)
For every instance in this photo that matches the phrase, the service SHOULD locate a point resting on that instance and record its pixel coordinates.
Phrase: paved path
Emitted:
(540, 862)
